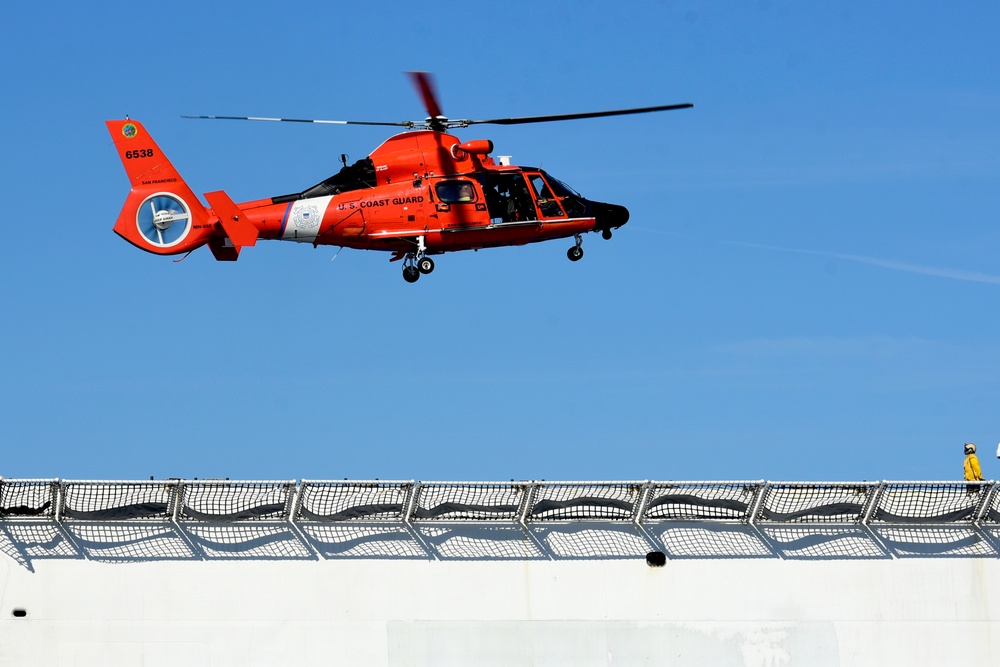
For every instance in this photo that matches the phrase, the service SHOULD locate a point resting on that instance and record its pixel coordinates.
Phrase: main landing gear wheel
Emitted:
(411, 274)
(425, 265)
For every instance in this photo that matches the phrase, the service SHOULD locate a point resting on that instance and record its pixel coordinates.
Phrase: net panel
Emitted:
(685, 501)
(236, 501)
(992, 511)
(440, 501)
(118, 501)
(815, 502)
(353, 501)
(610, 501)
(28, 498)
(929, 502)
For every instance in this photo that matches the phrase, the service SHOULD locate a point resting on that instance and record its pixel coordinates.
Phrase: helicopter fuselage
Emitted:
(428, 184)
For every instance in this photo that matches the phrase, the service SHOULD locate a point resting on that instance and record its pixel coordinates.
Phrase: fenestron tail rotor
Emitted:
(163, 219)
(438, 122)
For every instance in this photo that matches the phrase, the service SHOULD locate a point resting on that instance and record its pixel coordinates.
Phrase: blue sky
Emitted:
(807, 288)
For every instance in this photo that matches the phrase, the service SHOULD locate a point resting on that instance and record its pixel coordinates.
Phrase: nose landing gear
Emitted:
(576, 252)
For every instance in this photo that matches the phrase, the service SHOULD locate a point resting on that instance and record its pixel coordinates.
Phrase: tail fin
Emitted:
(161, 215)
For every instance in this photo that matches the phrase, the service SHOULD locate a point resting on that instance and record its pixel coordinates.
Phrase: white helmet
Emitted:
(970, 448)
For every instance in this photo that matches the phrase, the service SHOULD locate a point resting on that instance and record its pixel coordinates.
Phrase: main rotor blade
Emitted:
(424, 84)
(306, 120)
(575, 116)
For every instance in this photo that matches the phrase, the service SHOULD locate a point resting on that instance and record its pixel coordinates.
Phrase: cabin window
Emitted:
(507, 197)
(455, 192)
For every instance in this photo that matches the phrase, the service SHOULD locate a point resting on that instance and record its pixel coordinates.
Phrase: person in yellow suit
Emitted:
(973, 473)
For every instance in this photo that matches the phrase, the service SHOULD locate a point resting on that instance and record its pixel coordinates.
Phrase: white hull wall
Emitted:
(358, 611)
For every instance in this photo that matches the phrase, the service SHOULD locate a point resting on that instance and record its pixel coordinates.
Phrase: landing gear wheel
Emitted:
(425, 265)
(410, 274)
(575, 253)
(606, 234)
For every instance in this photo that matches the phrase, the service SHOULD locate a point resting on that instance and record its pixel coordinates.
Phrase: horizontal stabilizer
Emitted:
(239, 230)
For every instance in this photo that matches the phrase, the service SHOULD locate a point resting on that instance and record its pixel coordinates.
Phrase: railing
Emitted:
(525, 502)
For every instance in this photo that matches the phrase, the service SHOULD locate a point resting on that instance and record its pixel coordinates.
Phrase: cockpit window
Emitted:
(560, 188)
(455, 192)
(546, 202)
(572, 201)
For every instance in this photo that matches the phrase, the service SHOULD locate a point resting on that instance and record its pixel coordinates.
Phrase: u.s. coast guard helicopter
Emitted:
(422, 193)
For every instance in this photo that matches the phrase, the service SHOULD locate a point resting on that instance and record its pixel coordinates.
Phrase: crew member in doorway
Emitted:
(973, 473)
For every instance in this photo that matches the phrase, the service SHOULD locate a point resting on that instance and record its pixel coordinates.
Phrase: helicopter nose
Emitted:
(610, 216)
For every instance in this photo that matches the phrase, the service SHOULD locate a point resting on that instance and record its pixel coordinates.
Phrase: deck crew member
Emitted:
(973, 473)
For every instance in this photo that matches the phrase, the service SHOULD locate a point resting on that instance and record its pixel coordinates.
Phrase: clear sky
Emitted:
(808, 287)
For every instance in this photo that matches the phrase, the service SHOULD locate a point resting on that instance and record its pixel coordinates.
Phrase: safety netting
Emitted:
(353, 501)
(990, 512)
(211, 500)
(100, 501)
(28, 498)
(604, 501)
(792, 502)
(442, 501)
(929, 502)
(726, 501)
(502, 502)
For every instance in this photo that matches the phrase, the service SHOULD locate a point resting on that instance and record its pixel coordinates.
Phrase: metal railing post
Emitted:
(985, 503)
(59, 499)
(876, 494)
(762, 489)
(640, 505)
(412, 504)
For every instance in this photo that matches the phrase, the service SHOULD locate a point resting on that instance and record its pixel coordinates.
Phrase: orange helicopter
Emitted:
(421, 193)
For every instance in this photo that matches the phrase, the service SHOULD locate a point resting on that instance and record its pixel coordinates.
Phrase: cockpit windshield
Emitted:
(574, 203)
(560, 188)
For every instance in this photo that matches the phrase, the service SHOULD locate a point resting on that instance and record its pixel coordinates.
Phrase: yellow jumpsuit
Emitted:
(972, 471)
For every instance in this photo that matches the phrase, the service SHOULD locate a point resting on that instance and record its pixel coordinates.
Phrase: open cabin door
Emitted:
(508, 199)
